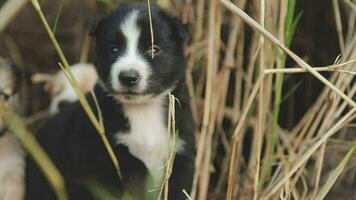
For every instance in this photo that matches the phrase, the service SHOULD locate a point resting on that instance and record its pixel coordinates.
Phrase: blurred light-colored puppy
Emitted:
(60, 89)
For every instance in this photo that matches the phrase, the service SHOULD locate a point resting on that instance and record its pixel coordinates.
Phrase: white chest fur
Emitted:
(147, 139)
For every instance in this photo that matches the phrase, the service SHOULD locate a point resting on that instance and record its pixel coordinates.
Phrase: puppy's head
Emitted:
(129, 66)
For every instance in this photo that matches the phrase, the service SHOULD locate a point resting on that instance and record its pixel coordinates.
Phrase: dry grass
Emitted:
(291, 150)
(238, 77)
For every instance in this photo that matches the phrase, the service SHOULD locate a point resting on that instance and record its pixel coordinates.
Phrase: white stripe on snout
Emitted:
(131, 59)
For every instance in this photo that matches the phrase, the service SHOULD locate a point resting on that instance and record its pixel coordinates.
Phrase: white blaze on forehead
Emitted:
(131, 31)
(131, 58)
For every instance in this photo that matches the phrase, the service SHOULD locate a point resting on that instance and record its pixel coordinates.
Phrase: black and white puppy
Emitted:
(132, 93)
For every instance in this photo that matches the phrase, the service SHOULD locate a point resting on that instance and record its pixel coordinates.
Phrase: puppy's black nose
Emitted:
(129, 78)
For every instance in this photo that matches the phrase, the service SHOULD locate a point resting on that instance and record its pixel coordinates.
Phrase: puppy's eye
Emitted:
(155, 50)
(4, 96)
(113, 49)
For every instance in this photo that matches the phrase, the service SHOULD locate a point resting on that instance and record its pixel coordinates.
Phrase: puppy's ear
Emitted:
(180, 31)
(95, 26)
(93, 30)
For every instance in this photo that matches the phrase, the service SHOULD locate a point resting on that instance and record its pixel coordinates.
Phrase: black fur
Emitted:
(75, 146)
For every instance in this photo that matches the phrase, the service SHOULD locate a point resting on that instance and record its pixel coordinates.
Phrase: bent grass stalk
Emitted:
(330, 68)
(261, 107)
(18, 128)
(173, 145)
(235, 137)
(97, 123)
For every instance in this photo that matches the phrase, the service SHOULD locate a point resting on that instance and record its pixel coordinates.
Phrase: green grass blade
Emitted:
(293, 27)
(58, 16)
(288, 25)
(289, 29)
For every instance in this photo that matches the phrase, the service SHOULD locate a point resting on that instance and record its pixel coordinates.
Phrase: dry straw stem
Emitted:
(202, 162)
(318, 168)
(339, 25)
(9, 11)
(237, 130)
(216, 85)
(261, 106)
(300, 61)
(319, 108)
(200, 20)
(173, 144)
(15, 54)
(330, 68)
(83, 101)
(18, 128)
(301, 161)
(335, 174)
(151, 28)
(171, 127)
(232, 44)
